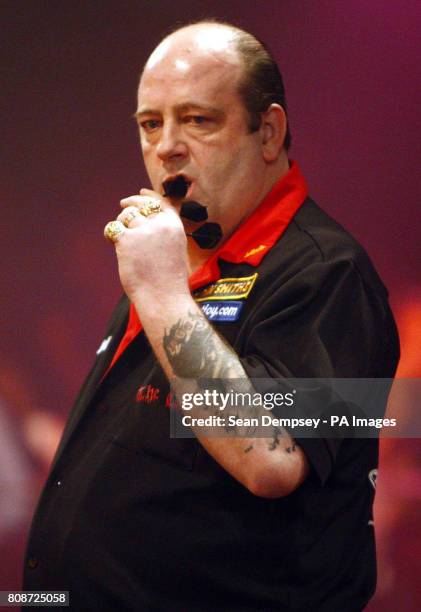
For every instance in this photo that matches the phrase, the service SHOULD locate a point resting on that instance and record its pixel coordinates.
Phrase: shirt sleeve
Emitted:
(324, 322)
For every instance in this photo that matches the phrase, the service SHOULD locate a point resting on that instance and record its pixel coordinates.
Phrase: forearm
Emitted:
(189, 349)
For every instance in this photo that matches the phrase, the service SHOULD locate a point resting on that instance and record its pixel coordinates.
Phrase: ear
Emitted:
(273, 128)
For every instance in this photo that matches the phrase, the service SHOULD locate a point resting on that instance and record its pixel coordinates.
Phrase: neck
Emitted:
(198, 256)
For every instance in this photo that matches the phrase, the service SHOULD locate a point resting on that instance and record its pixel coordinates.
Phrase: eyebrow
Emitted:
(180, 108)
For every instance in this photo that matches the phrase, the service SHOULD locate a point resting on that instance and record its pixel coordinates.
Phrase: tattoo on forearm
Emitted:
(194, 351)
(276, 440)
(277, 435)
(248, 449)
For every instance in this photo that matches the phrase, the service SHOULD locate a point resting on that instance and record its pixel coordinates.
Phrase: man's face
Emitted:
(193, 122)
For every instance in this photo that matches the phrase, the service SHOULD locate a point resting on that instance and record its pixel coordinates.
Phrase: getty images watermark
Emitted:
(357, 408)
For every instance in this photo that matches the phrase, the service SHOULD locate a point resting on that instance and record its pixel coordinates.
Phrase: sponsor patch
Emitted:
(227, 289)
(222, 311)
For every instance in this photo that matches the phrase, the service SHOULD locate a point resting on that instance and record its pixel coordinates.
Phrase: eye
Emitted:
(196, 119)
(149, 125)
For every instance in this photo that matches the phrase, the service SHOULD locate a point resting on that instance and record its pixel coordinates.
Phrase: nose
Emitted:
(171, 144)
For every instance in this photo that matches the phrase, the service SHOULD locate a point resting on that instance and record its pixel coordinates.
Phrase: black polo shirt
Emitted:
(131, 519)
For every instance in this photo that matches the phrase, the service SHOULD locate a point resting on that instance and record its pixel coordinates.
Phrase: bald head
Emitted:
(193, 53)
(200, 38)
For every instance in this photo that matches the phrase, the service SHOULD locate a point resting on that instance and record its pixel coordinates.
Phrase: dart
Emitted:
(207, 236)
(193, 211)
(176, 188)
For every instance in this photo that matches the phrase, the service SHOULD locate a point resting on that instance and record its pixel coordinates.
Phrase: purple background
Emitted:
(351, 71)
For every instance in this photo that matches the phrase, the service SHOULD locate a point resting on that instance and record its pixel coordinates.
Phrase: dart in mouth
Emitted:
(207, 235)
(177, 187)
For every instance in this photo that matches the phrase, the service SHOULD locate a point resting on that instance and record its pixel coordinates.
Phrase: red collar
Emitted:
(257, 235)
(248, 244)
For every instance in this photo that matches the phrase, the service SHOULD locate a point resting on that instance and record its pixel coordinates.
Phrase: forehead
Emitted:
(191, 65)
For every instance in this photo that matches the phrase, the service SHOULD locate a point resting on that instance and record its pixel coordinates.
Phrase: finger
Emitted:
(150, 193)
(143, 199)
(146, 198)
(148, 206)
(114, 230)
(131, 201)
(128, 216)
(165, 202)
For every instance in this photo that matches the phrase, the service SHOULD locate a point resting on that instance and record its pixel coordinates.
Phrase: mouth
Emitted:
(176, 187)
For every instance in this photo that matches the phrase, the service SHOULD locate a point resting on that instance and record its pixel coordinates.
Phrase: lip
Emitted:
(189, 190)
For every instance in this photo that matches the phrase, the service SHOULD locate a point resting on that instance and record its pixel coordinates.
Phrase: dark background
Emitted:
(70, 153)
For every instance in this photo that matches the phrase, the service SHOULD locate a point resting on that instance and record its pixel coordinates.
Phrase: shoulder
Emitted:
(316, 245)
(318, 290)
(334, 243)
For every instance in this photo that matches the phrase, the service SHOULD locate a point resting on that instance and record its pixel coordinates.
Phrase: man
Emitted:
(132, 519)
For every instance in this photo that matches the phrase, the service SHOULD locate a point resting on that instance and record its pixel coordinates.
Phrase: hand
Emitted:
(152, 250)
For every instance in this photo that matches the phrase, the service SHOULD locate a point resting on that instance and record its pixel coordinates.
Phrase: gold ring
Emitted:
(113, 230)
(132, 214)
(150, 206)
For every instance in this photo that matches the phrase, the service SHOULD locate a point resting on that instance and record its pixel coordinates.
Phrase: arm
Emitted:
(157, 283)
(268, 467)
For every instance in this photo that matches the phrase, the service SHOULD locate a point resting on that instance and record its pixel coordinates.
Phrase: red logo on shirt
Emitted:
(147, 394)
